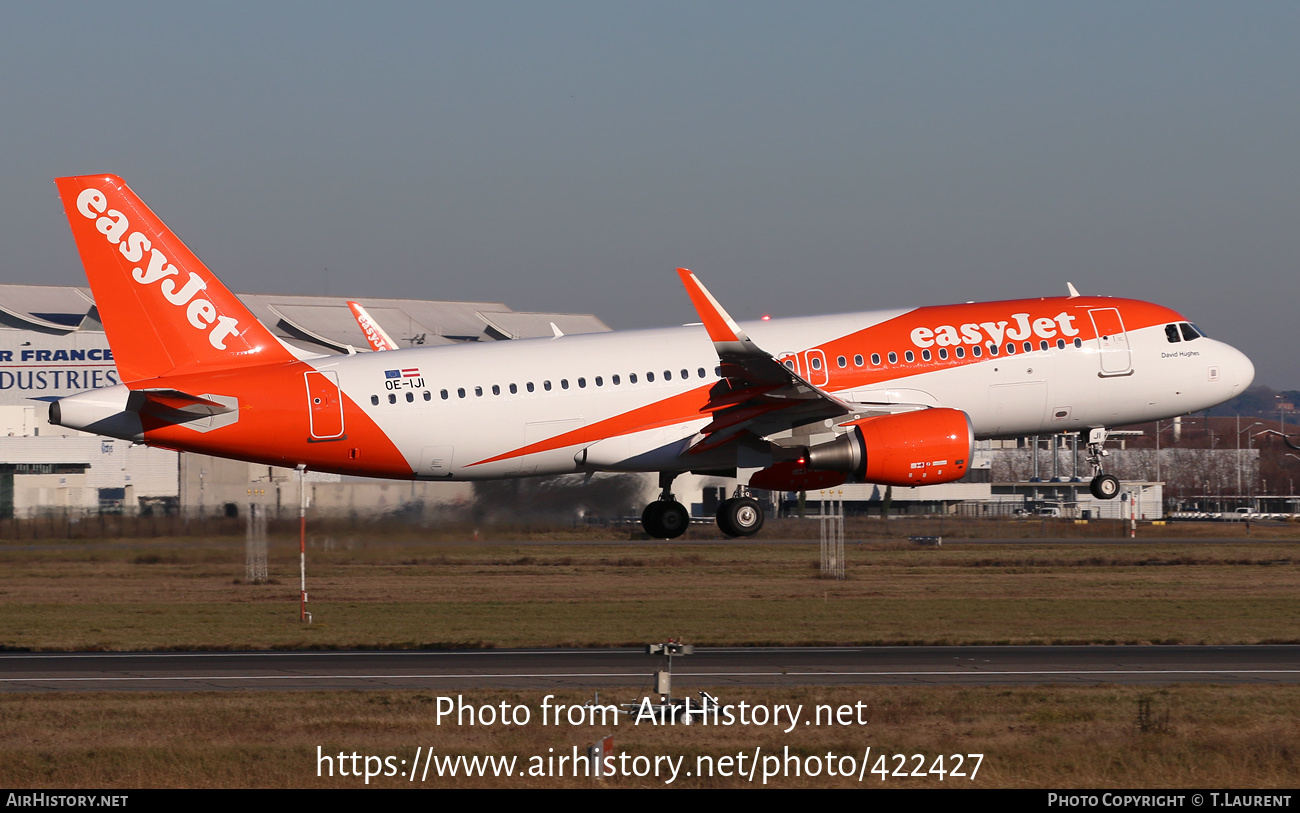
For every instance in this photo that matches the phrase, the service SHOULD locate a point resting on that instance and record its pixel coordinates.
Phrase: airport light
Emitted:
(1158, 431)
(1239, 431)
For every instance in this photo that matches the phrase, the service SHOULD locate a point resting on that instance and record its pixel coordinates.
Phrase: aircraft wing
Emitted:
(758, 394)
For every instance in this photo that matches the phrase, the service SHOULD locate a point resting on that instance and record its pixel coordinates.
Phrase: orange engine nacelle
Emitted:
(919, 448)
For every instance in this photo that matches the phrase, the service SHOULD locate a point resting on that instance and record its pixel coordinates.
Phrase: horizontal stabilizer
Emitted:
(164, 401)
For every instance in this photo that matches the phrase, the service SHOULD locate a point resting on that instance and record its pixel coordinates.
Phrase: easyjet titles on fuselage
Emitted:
(201, 313)
(994, 332)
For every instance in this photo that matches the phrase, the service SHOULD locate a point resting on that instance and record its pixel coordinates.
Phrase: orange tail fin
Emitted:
(162, 309)
(375, 335)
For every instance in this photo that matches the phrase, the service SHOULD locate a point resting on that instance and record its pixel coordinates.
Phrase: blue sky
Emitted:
(801, 158)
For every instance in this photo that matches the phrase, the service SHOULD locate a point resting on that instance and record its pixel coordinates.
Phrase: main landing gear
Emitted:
(742, 515)
(665, 518)
(1103, 486)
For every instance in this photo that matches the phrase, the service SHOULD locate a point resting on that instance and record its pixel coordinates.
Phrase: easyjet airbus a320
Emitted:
(892, 397)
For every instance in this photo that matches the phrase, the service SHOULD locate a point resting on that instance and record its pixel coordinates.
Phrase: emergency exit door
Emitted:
(1112, 342)
(324, 405)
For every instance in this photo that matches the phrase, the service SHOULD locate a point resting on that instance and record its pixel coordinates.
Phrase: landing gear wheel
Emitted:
(1104, 486)
(665, 519)
(742, 516)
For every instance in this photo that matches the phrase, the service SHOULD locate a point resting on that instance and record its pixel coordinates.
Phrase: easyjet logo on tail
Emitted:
(201, 313)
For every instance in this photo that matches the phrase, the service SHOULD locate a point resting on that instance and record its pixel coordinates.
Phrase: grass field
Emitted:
(404, 589)
(401, 591)
(1216, 737)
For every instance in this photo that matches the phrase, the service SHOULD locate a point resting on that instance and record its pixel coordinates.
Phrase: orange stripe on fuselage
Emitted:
(891, 335)
(672, 410)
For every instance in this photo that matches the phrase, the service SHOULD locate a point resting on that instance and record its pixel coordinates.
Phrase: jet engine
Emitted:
(918, 448)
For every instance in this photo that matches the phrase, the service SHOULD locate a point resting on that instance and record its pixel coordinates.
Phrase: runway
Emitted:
(597, 668)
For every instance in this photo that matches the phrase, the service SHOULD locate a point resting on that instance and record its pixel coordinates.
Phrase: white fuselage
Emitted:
(479, 405)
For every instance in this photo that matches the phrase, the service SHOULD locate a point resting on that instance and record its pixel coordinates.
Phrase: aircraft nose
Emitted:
(1240, 369)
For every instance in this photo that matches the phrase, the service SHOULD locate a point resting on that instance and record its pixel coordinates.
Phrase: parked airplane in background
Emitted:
(892, 397)
(376, 336)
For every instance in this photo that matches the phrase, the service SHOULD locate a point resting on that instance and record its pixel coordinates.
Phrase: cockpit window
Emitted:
(1189, 332)
(1171, 333)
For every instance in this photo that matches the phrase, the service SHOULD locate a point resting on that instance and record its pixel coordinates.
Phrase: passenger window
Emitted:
(1029, 347)
(600, 382)
(374, 400)
(410, 397)
(514, 389)
(582, 383)
(460, 392)
(428, 396)
(993, 349)
(668, 375)
(478, 392)
(789, 364)
(816, 363)
(631, 378)
(686, 374)
(943, 353)
(564, 383)
(910, 356)
(649, 376)
(546, 385)
(496, 389)
(875, 359)
(1011, 348)
(843, 362)
(1078, 342)
(444, 395)
(960, 352)
(392, 399)
(614, 378)
(925, 354)
(1060, 344)
(530, 387)
(1043, 344)
(857, 360)
(701, 372)
(893, 357)
(977, 351)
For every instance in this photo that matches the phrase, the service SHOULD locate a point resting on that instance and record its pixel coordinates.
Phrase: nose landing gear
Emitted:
(1103, 486)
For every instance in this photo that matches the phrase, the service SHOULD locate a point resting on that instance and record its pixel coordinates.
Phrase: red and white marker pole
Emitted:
(302, 540)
